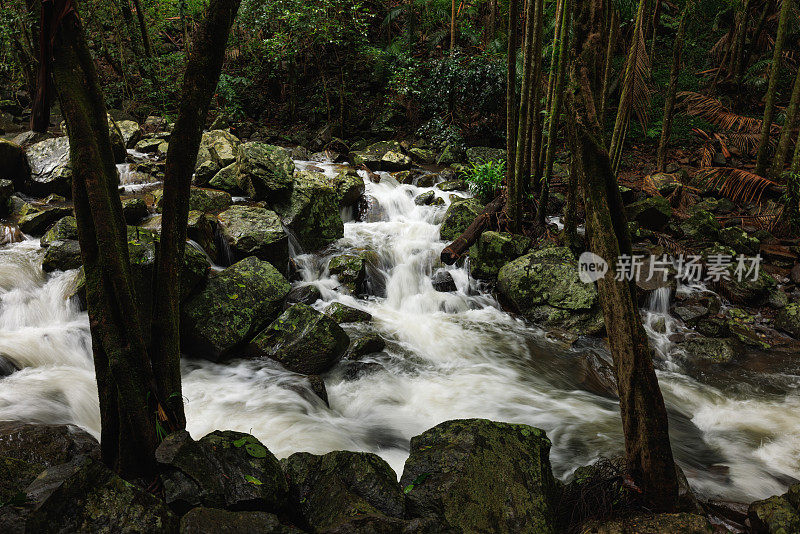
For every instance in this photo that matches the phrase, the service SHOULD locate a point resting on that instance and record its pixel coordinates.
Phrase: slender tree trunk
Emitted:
(492, 26)
(199, 84)
(741, 38)
(608, 64)
(452, 26)
(148, 48)
(748, 53)
(551, 82)
(655, 22)
(511, 97)
(795, 168)
(762, 160)
(532, 164)
(669, 101)
(782, 152)
(410, 27)
(644, 416)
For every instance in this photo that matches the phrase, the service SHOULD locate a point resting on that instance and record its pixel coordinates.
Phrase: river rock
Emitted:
(45, 445)
(232, 307)
(312, 212)
(34, 219)
(747, 291)
(305, 294)
(303, 340)
(253, 231)
(775, 515)
(701, 226)
(493, 250)
(148, 145)
(458, 217)
(343, 314)
(7, 368)
(6, 191)
(739, 240)
(345, 491)
(443, 282)
(266, 172)
(131, 132)
(710, 350)
(215, 521)
(224, 469)
(425, 199)
(64, 229)
(422, 156)
(351, 269)
(452, 185)
(50, 168)
(218, 149)
(482, 476)
(62, 256)
(652, 213)
(14, 164)
(226, 180)
(85, 496)
(482, 154)
(683, 523)
(718, 206)
(349, 187)
(134, 210)
(200, 199)
(544, 287)
(382, 156)
(364, 345)
(788, 320)
(596, 375)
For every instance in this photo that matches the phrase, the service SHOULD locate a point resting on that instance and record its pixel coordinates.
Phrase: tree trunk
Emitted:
(795, 168)
(457, 248)
(782, 152)
(669, 101)
(608, 64)
(762, 160)
(452, 26)
(199, 84)
(148, 48)
(511, 90)
(644, 416)
(741, 38)
(128, 399)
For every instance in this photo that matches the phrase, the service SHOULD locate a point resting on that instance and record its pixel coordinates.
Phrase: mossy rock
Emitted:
(312, 212)
(64, 229)
(201, 199)
(349, 187)
(788, 320)
(701, 226)
(749, 290)
(710, 350)
(739, 240)
(482, 154)
(134, 210)
(351, 269)
(680, 523)
(218, 149)
(742, 325)
(303, 340)
(232, 307)
(365, 345)
(215, 521)
(493, 250)
(458, 217)
(425, 199)
(253, 231)
(452, 185)
(775, 515)
(382, 156)
(62, 256)
(482, 476)
(35, 219)
(652, 213)
(265, 172)
(343, 314)
(226, 180)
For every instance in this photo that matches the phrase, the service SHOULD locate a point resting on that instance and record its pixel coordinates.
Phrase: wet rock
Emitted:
(266, 172)
(481, 476)
(62, 256)
(452, 185)
(64, 229)
(344, 491)
(493, 250)
(15, 476)
(308, 294)
(148, 145)
(425, 199)
(652, 213)
(382, 156)
(317, 384)
(6, 191)
(45, 445)
(719, 206)
(544, 287)
(35, 219)
(224, 469)
(303, 340)
(443, 282)
(349, 187)
(351, 269)
(739, 287)
(422, 156)
(252, 231)
(775, 515)
(7, 368)
(690, 313)
(450, 154)
(218, 149)
(342, 314)
(226, 180)
(683, 523)
(134, 210)
(739, 240)
(743, 326)
(201, 199)
(788, 320)
(85, 496)
(701, 226)
(215, 521)
(482, 154)
(14, 165)
(665, 183)
(130, 131)
(364, 345)
(595, 375)
(312, 212)
(710, 350)
(458, 217)
(50, 170)
(26, 139)
(232, 307)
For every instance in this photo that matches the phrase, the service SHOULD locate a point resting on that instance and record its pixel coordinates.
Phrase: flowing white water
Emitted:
(449, 355)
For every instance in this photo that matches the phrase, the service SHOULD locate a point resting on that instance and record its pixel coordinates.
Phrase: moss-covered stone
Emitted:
(545, 288)
(739, 240)
(349, 187)
(15, 475)
(493, 250)
(201, 199)
(215, 521)
(131, 132)
(458, 217)
(64, 229)
(232, 307)
(382, 156)
(742, 325)
(303, 340)
(312, 212)
(711, 350)
(45, 445)
(740, 286)
(652, 213)
(134, 210)
(253, 231)
(775, 515)
(14, 165)
(422, 156)
(351, 269)
(34, 219)
(788, 320)
(701, 226)
(332, 491)
(482, 476)
(425, 199)
(452, 185)
(224, 469)
(342, 314)
(226, 180)
(364, 345)
(681, 523)
(218, 149)
(62, 256)
(266, 172)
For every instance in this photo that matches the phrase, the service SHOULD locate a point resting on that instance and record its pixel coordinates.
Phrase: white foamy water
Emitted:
(448, 355)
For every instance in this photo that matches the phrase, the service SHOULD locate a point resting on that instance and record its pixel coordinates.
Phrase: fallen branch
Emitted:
(457, 248)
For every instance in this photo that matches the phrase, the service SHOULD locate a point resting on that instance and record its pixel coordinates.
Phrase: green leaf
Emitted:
(239, 443)
(253, 480)
(255, 450)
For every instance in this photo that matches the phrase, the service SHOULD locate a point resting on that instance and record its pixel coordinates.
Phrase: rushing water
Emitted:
(448, 355)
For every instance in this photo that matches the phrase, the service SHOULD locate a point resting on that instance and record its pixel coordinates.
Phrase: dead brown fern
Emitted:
(738, 185)
(713, 111)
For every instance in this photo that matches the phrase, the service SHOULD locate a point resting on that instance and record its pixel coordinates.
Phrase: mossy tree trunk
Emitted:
(782, 151)
(199, 84)
(511, 99)
(644, 416)
(762, 160)
(669, 101)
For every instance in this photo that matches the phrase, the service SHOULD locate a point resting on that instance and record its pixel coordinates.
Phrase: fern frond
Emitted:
(736, 184)
(713, 111)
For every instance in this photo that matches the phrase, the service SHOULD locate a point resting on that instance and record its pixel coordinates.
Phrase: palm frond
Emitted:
(747, 143)
(640, 93)
(736, 184)
(713, 111)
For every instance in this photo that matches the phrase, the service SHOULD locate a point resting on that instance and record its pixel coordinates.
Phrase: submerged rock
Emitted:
(232, 307)
(303, 340)
(252, 231)
(312, 212)
(266, 172)
(493, 250)
(364, 345)
(215, 521)
(458, 217)
(224, 469)
(545, 288)
(342, 314)
(482, 476)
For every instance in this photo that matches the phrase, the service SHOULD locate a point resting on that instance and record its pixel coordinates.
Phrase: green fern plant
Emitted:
(485, 179)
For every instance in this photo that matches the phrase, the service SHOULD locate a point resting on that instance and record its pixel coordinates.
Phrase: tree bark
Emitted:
(782, 151)
(199, 84)
(452, 26)
(511, 96)
(148, 47)
(608, 64)
(669, 101)
(762, 160)
(457, 248)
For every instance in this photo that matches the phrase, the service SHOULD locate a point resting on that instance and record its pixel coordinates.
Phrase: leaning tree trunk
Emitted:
(782, 152)
(129, 401)
(795, 168)
(608, 63)
(511, 98)
(148, 47)
(762, 160)
(669, 101)
(199, 84)
(644, 417)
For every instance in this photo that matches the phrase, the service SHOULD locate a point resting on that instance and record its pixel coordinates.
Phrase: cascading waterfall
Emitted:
(448, 355)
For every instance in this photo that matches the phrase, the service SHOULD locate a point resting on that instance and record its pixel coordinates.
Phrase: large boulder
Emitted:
(233, 306)
(707, 350)
(493, 250)
(215, 521)
(45, 445)
(253, 231)
(776, 515)
(218, 149)
(62, 256)
(64, 229)
(13, 164)
(739, 240)
(740, 287)
(312, 211)
(701, 226)
(303, 340)
(51, 171)
(265, 172)
(224, 469)
(345, 491)
(545, 288)
(458, 217)
(351, 269)
(680, 523)
(201, 199)
(482, 476)
(382, 156)
(85, 496)
(35, 219)
(130, 131)
(344, 314)
(226, 180)
(349, 187)
(652, 213)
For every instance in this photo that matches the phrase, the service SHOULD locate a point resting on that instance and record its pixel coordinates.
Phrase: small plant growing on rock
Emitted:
(485, 179)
